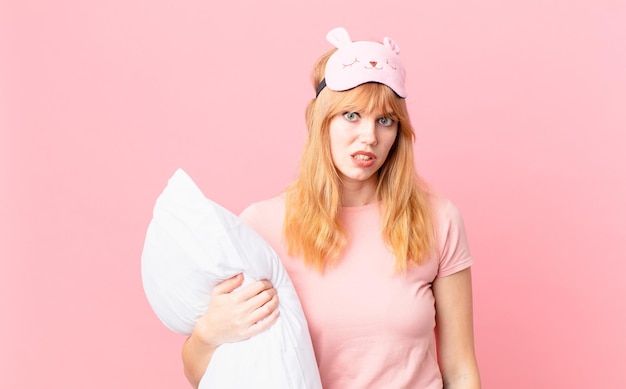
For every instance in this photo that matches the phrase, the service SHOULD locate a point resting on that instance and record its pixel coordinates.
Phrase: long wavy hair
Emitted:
(312, 227)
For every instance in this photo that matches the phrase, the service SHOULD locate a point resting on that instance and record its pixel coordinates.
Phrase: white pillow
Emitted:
(192, 244)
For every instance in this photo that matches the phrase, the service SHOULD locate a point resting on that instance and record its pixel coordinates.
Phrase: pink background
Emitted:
(520, 109)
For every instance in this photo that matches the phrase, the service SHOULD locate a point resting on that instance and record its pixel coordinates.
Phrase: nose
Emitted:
(373, 63)
(367, 132)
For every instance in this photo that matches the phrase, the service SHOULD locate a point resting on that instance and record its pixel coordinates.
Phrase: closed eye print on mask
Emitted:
(350, 64)
(391, 66)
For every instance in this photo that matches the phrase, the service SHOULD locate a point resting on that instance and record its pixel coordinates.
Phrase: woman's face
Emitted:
(360, 143)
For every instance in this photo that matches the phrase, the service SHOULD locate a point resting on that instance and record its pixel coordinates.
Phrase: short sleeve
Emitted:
(453, 248)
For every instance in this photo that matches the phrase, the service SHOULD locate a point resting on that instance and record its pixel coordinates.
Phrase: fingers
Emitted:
(261, 325)
(228, 285)
(261, 299)
(260, 302)
(249, 291)
(267, 308)
(236, 312)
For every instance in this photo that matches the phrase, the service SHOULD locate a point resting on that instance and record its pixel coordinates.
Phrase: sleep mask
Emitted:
(356, 63)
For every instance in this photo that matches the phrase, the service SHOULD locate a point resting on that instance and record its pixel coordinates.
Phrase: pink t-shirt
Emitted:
(370, 326)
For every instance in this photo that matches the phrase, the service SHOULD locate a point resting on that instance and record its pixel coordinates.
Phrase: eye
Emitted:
(385, 121)
(351, 116)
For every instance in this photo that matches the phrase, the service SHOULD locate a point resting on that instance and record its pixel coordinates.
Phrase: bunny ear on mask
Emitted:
(392, 45)
(360, 62)
(339, 37)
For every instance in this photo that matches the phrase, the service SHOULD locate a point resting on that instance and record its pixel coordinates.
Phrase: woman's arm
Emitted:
(196, 358)
(455, 331)
(232, 316)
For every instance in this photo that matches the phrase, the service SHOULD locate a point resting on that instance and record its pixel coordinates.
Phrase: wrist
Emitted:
(202, 340)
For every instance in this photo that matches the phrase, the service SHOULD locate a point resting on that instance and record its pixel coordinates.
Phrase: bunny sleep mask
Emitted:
(356, 63)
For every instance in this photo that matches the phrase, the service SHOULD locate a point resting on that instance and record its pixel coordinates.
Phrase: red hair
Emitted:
(312, 227)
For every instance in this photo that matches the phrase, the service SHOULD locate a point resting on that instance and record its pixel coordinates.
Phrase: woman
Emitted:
(380, 264)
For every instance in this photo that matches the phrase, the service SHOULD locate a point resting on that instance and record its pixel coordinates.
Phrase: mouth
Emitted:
(363, 156)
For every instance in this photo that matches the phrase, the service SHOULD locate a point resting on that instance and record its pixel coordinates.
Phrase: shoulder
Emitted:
(265, 213)
(450, 236)
(445, 212)
(266, 218)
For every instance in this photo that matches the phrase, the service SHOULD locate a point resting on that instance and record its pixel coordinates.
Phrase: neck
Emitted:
(358, 194)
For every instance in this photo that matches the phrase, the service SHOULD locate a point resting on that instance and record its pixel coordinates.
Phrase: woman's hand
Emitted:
(231, 316)
(234, 316)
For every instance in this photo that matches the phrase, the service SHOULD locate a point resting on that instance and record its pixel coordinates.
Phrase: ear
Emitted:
(392, 45)
(339, 37)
